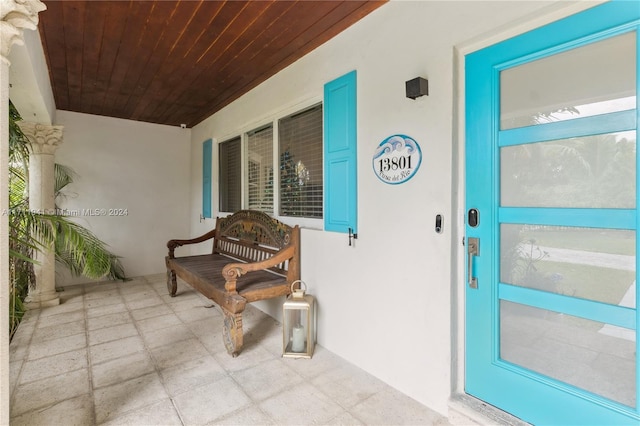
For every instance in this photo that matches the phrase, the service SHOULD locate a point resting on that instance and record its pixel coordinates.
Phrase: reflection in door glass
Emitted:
(588, 172)
(595, 79)
(591, 355)
(588, 263)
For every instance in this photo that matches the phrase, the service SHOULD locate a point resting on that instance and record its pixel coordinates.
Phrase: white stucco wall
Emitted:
(391, 303)
(124, 164)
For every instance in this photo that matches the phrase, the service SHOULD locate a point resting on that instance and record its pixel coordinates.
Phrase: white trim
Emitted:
(544, 16)
(270, 118)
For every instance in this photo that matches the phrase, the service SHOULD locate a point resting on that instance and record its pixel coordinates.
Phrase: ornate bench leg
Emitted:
(172, 284)
(232, 333)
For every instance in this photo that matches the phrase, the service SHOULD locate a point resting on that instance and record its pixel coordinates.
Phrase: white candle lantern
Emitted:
(299, 323)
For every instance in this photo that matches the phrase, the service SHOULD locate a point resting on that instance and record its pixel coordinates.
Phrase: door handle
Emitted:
(473, 249)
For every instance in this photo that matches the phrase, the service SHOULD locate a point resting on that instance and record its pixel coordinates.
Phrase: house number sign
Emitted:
(397, 159)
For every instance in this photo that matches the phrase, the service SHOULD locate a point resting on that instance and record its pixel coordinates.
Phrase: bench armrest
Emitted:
(232, 271)
(172, 244)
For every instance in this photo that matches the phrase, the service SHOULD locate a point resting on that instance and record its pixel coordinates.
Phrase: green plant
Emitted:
(75, 246)
(520, 260)
(292, 181)
(529, 274)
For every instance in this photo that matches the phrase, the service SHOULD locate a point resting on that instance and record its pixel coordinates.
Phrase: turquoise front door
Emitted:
(551, 331)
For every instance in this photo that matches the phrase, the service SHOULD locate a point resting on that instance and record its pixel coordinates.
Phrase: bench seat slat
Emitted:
(207, 270)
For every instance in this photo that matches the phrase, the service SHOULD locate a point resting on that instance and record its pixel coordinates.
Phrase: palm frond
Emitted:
(18, 142)
(20, 256)
(63, 176)
(76, 247)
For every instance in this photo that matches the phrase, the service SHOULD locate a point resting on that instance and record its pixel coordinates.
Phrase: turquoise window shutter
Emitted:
(340, 155)
(206, 178)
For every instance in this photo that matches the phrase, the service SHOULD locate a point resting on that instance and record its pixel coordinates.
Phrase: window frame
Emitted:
(246, 163)
(220, 191)
(271, 119)
(321, 180)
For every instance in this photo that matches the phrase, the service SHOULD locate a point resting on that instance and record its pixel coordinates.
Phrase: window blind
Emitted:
(259, 182)
(230, 175)
(300, 153)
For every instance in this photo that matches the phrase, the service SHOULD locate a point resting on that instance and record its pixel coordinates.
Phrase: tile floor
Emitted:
(128, 354)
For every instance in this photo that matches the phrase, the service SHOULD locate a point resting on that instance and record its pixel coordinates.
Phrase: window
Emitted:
(230, 175)
(259, 182)
(277, 172)
(300, 151)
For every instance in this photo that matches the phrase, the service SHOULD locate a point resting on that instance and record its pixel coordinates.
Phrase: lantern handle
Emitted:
(302, 283)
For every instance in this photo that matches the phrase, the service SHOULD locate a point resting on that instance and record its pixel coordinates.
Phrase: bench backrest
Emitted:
(253, 236)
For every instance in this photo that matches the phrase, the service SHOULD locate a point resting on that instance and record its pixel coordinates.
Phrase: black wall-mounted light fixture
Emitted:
(417, 87)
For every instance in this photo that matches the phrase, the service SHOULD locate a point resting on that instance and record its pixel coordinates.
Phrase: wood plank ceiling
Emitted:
(175, 62)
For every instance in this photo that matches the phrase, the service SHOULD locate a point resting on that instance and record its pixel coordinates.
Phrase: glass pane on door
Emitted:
(587, 263)
(597, 171)
(594, 79)
(597, 357)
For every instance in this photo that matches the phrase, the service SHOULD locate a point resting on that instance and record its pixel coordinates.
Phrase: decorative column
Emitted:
(44, 140)
(15, 15)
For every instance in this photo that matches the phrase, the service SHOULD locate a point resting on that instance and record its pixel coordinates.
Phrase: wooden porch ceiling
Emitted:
(175, 62)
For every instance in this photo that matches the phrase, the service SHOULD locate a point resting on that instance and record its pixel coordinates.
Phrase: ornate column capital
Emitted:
(44, 138)
(16, 15)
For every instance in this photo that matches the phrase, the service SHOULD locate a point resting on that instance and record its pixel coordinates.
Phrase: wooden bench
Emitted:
(254, 257)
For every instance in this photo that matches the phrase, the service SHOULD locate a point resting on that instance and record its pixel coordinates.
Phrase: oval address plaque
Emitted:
(397, 159)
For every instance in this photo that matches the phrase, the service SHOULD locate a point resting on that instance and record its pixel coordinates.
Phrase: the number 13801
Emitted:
(394, 163)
